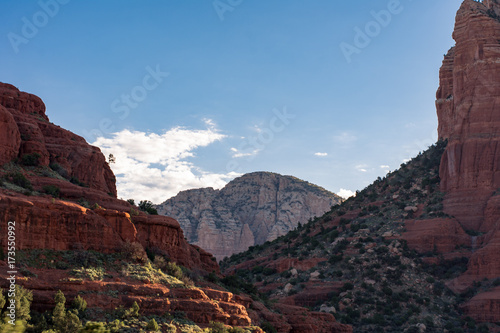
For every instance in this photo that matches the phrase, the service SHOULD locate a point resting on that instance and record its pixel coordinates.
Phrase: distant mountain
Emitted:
(250, 210)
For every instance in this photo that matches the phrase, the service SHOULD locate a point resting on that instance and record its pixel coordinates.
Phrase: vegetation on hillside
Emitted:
(373, 281)
(133, 263)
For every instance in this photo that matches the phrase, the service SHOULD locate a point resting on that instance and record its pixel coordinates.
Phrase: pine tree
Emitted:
(24, 297)
(65, 322)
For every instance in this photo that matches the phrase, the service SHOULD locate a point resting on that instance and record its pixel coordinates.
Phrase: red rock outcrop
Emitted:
(440, 235)
(10, 138)
(467, 106)
(200, 305)
(43, 222)
(484, 307)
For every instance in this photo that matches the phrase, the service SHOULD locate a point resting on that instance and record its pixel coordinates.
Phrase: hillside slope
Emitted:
(420, 248)
(248, 211)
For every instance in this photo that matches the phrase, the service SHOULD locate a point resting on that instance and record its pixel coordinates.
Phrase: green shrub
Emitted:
(116, 325)
(132, 312)
(59, 169)
(335, 259)
(20, 180)
(147, 206)
(91, 273)
(348, 286)
(153, 326)
(52, 190)
(31, 159)
(92, 327)
(76, 181)
(79, 304)
(237, 330)
(268, 327)
(84, 203)
(216, 327)
(135, 251)
(172, 269)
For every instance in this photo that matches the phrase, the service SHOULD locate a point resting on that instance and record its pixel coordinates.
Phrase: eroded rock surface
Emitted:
(250, 210)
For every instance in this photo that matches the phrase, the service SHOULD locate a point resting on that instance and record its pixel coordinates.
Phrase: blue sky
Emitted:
(192, 93)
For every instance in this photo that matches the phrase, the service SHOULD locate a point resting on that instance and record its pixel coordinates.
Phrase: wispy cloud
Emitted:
(321, 154)
(155, 167)
(345, 193)
(362, 167)
(236, 153)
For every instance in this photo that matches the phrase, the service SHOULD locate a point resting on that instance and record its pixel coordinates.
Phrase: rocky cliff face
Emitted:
(467, 108)
(27, 130)
(468, 103)
(83, 179)
(250, 210)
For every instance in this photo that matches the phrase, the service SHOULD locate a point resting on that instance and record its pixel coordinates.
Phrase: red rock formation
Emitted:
(441, 235)
(200, 305)
(10, 138)
(307, 322)
(467, 103)
(54, 144)
(484, 307)
(43, 222)
(467, 107)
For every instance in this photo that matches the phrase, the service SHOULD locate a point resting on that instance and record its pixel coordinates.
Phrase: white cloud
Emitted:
(321, 154)
(345, 193)
(362, 167)
(385, 167)
(245, 153)
(152, 166)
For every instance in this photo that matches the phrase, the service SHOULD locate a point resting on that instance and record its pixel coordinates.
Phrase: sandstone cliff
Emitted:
(29, 144)
(468, 103)
(250, 210)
